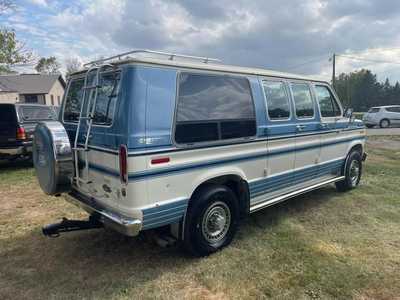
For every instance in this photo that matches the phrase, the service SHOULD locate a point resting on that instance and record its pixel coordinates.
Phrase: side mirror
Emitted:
(348, 113)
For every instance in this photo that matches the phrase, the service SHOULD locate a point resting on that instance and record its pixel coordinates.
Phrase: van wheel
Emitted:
(352, 172)
(211, 220)
(385, 123)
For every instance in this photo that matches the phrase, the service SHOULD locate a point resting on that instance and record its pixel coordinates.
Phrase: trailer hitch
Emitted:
(54, 230)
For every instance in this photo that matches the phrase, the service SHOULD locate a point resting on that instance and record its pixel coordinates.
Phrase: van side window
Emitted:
(302, 100)
(277, 100)
(73, 100)
(213, 107)
(327, 103)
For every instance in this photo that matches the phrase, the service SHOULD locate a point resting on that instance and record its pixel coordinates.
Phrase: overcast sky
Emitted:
(274, 34)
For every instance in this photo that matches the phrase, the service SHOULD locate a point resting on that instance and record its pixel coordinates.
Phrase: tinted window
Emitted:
(302, 100)
(106, 98)
(107, 95)
(7, 114)
(214, 107)
(34, 113)
(327, 103)
(277, 100)
(393, 109)
(373, 110)
(73, 101)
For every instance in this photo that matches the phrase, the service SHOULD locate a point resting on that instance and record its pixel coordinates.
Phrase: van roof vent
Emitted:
(150, 54)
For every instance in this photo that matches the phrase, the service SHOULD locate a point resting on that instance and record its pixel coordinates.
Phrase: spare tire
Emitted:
(52, 157)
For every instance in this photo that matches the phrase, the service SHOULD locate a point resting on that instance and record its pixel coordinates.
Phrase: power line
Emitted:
(307, 63)
(370, 60)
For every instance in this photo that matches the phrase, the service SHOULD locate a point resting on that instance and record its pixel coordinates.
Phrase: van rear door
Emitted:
(8, 125)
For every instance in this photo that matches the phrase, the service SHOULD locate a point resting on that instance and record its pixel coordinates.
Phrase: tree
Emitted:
(12, 52)
(361, 90)
(48, 65)
(72, 65)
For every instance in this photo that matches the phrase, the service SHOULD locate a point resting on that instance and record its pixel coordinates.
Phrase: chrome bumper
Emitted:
(16, 151)
(122, 224)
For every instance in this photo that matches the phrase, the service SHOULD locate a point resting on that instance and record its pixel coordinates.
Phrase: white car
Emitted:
(384, 116)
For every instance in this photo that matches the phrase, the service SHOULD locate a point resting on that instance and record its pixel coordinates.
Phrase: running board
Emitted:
(262, 205)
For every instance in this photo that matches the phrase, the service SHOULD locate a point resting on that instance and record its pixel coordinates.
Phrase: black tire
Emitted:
(352, 177)
(385, 123)
(203, 211)
(369, 125)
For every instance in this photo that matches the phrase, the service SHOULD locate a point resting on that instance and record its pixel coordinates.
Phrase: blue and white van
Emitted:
(150, 139)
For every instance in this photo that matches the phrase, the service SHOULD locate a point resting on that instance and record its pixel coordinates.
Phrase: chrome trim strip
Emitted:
(262, 205)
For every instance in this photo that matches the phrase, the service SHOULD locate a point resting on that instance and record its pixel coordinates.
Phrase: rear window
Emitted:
(73, 101)
(7, 114)
(37, 113)
(106, 99)
(214, 107)
(373, 110)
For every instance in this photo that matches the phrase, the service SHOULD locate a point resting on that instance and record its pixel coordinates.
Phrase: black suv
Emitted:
(17, 124)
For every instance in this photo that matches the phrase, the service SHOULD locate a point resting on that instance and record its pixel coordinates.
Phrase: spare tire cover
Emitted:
(52, 157)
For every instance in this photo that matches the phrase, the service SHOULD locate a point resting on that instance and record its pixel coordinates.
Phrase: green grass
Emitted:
(323, 245)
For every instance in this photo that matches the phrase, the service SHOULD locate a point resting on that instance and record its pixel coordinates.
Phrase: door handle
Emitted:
(300, 127)
(324, 125)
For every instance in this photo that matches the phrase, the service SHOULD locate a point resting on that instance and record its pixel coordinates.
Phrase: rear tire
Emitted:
(211, 220)
(385, 123)
(352, 172)
(369, 125)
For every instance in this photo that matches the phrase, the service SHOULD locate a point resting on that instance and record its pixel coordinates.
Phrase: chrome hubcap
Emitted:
(216, 222)
(354, 172)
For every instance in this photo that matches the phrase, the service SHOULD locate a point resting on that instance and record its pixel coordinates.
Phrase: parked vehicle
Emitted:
(192, 144)
(17, 124)
(382, 116)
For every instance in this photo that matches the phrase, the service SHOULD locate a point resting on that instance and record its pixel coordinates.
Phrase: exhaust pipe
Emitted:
(54, 230)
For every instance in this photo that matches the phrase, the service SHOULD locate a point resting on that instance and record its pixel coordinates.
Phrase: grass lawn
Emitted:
(322, 245)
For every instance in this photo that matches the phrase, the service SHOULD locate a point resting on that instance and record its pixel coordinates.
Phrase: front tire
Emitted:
(352, 172)
(211, 220)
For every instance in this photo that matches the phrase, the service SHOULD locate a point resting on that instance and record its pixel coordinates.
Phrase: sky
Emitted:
(297, 36)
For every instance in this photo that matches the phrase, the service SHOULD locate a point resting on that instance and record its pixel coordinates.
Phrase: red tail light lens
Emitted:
(21, 134)
(123, 164)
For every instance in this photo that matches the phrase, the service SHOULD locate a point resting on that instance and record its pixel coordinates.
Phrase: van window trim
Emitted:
(308, 84)
(287, 94)
(335, 98)
(93, 124)
(209, 143)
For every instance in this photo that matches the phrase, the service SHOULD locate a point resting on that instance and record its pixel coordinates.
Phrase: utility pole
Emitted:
(333, 70)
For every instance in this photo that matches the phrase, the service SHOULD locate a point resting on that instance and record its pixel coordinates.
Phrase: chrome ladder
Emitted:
(87, 118)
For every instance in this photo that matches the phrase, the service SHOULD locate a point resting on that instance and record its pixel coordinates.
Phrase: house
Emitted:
(32, 88)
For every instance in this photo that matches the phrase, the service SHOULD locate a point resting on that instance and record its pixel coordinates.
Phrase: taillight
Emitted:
(123, 164)
(21, 135)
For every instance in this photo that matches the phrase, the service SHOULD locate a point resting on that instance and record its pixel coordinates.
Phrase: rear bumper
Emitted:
(122, 224)
(16, 150)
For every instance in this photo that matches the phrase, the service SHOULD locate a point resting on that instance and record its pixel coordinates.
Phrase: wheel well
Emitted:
(237, 185)
(384, 119)
(357, 148)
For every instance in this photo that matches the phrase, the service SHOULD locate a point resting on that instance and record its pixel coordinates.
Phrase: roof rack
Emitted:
(170, 56)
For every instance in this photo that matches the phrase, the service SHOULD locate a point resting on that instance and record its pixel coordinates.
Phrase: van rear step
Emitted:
(54, 230)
